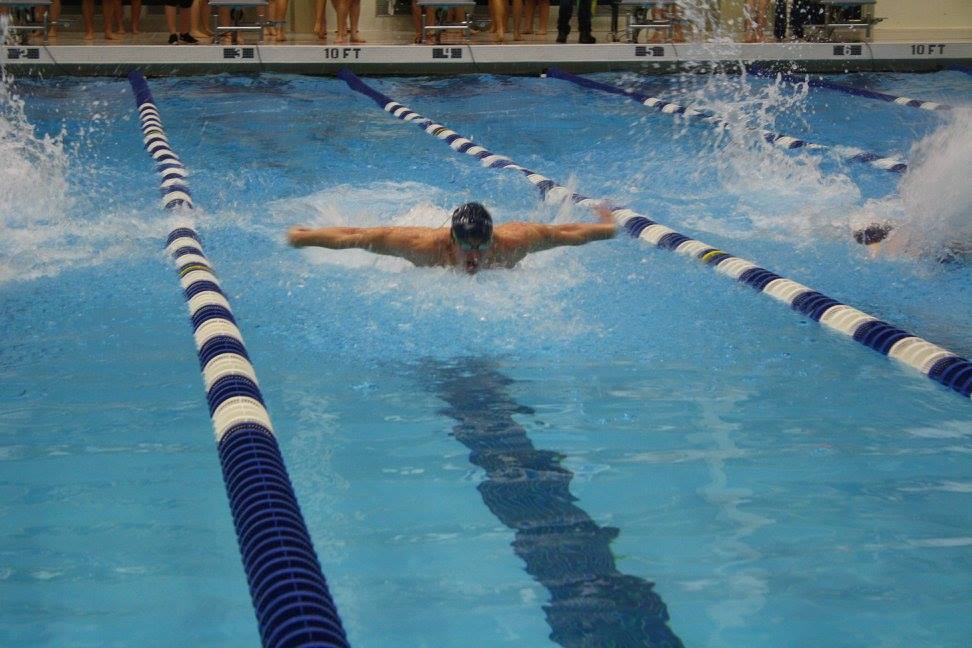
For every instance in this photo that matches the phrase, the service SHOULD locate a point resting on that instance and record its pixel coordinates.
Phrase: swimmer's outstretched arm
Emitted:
(413, 243)
(551, 236)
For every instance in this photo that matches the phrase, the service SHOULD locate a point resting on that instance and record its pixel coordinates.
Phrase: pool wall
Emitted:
(661, 58)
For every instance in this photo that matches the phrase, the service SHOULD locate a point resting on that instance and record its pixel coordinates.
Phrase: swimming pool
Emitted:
(777, 483)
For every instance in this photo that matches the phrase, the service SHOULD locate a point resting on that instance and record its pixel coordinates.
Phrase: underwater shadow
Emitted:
(591, 602)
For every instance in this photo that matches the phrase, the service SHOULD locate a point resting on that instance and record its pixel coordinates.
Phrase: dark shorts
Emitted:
(185, 4)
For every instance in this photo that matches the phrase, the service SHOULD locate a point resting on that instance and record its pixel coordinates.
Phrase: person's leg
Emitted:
(118, 17)
(798, 17)
(543, 11)
(678, 33)
(763, 5)
(563, 20)
(517, 18)
(196, 19)
(320, 18)
(343, 7)
(779, 21)
(136, 16)
(498, 9)
(225, 18)
(750, 16)
(55, 16)
(108, 8)
(281, 16)
(170, 23)
(528, 10)
(184, 18)
(584, 21)
(271, 16)
(87, 18)
(355, 17)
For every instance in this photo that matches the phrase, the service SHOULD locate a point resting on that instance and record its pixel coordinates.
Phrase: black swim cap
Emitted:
(472, 221)
(874, 233)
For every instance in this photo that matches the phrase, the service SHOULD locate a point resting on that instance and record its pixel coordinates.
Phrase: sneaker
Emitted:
(561, 38)
(586, 39)
(187, 38)
(173, 39)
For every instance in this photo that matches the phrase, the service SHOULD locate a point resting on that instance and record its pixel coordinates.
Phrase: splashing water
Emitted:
(531, 300)
(745, 187)
(33, 177)
(932, 212)
(33, 180)
(41, 233)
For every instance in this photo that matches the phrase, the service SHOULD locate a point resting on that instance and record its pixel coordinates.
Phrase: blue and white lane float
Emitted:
(849, 154)
(290, 595)
(858, 92)
(937, 363)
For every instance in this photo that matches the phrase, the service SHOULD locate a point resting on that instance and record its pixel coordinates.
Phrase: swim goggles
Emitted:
(466, 246)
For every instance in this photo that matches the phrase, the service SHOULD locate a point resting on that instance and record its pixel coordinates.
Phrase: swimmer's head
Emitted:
(472, 224)
(472, 231)
(874, 233)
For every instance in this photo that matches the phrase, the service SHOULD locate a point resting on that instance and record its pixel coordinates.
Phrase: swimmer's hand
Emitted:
(604, 213)
(297, 236)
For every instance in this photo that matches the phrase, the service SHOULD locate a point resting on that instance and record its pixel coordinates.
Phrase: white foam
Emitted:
(776, 193)
(930, 213)
(533, 296)
(41, 233)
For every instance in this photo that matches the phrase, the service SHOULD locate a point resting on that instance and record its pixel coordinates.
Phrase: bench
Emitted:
(23, 29)
(835, 16)
(441, 7)
(233, 29)
(639, 18)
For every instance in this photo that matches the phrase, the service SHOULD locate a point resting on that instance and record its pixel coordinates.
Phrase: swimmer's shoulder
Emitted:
(424, 246)
(517, 233)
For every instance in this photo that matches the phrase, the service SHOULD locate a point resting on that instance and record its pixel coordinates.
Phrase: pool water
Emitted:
(765, 481)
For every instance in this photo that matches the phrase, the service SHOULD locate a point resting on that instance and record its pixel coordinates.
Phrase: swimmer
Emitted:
(881, 239)
(472, 243)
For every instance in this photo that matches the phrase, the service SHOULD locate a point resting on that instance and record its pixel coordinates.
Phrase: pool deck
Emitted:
(303, 54)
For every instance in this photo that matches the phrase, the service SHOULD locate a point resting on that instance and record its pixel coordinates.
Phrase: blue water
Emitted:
(778, 483)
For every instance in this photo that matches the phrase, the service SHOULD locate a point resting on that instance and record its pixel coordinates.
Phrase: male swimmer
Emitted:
(881, 239)
(472, 243)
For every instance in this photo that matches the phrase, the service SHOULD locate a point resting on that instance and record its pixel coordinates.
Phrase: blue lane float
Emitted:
(933, 361)
(290, 595)
(859, 92)
(849, 154)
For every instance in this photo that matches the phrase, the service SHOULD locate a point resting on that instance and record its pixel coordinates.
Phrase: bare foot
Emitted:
(321, 34)
(281, 37)
(499, 38)
(356, 38)
(342, 39)
(135, 32)
(517, 37)
(112, 36)
(541, 32)
(88, 36)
